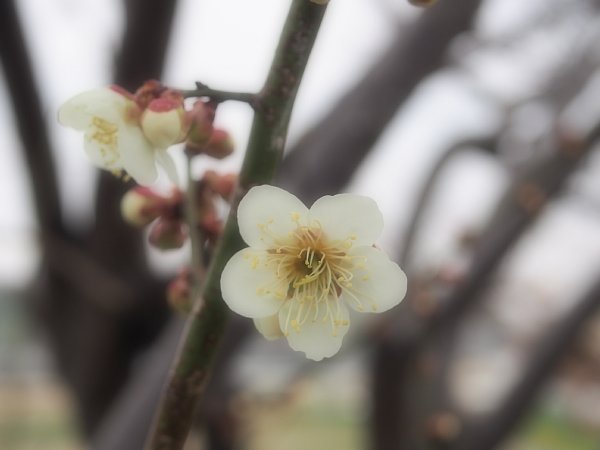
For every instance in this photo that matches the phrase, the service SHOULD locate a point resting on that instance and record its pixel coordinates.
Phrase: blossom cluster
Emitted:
(129, 133)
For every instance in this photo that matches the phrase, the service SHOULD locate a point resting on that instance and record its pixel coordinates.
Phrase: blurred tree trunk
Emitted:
(95, 297)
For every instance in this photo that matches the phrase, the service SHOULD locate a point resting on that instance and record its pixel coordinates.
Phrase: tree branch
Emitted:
(344, 137)
(30, 122)
(495, 428)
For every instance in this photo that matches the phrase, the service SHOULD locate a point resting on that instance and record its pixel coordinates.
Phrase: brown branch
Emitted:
(428, 189)
(410, 334)
(31, 124)
(496, 427)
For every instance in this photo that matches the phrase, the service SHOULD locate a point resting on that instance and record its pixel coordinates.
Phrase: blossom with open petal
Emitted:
(113, 137)
(304, 267)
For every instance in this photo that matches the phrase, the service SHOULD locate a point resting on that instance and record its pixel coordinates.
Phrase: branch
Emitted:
(408, 334)
(219, 96)
(496, 427)
(344, 137)
(30, 122)
(427, 191)
(269, 130)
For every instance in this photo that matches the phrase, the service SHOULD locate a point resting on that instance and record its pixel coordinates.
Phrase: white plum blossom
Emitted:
(113, 138)
(304, 267)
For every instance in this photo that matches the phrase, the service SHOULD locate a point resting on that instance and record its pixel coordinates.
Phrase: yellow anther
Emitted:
(366, 278)
(295, 325)
(295, 217)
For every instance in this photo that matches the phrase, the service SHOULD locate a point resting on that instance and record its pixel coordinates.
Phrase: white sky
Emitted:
(229, 44)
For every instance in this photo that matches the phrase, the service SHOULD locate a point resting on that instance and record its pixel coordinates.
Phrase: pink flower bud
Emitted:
(141, 205)
(220, 144)
(147, 92)
(167, 234)
(201, 119)
(211, 225)
(179, 292)
(163, 122)
(223, 185)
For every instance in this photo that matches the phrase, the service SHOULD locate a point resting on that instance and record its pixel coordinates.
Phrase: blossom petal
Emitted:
(248, 286)
(137, 155)
(269, 327)
(166, 162)
(266, 213)
(378, 285)
(105, 156)
(348, 216)
(315, 337)
(104, 103)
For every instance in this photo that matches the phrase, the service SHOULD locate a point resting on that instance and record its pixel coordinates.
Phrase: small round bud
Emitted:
(163, 122)
(147, 92)
(167, 234)
(141, 205)
(201, 119)
(179, 292)
(211, 225)
(220, 144)
(224, 185)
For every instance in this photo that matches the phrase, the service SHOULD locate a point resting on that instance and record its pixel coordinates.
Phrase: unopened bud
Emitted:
(147, 92)
(167, 234)
(224, 185)
(212, 225)
(141, 205)
(220, 144)
(163, 122)
(179, 292)
(201, 119)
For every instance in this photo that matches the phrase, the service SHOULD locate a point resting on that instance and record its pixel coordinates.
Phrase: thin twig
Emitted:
(219, 96)
(265, 147)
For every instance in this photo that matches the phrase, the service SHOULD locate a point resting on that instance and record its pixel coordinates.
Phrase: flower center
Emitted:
(312, 271)
(105, 134)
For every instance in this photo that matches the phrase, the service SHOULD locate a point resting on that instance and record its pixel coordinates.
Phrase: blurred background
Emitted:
(473, 124)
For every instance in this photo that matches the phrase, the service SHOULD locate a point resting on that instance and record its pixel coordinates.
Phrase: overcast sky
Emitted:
(228, 44)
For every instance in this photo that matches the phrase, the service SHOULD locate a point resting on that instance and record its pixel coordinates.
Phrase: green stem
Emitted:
(265, 148)
(196, 238)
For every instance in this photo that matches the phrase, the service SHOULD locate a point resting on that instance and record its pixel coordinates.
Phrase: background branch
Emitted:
(349, 131)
